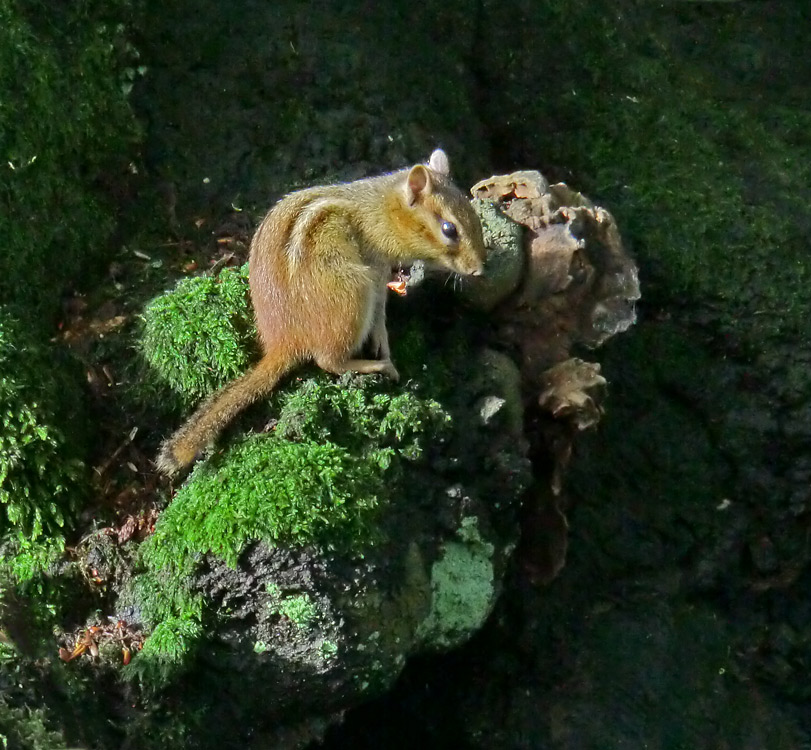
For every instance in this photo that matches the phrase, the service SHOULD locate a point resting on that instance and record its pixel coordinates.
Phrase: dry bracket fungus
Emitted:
(577, 288)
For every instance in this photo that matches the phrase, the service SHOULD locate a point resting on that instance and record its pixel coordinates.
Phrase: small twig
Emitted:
(215, 268)
(116, 453)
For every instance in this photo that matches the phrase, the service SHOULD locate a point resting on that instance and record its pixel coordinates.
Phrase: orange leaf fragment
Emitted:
(398, 287)
(78, 650)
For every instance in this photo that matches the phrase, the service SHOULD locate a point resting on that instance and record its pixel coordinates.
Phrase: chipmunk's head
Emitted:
(447, 230)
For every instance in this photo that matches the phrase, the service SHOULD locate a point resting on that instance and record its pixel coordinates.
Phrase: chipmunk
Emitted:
(319, 263)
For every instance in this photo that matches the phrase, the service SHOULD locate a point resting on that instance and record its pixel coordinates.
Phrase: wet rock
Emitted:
(324, 628)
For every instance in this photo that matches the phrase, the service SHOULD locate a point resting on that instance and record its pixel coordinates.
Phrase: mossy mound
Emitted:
(319, 479)
(41, 476)
(200, 335)
(372, 523)
(266, 489)
(316, 479)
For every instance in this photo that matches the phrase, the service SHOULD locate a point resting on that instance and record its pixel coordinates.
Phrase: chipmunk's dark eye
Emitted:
(449, 230)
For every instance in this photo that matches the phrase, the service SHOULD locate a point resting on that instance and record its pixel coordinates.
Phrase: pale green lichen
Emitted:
(462, 588)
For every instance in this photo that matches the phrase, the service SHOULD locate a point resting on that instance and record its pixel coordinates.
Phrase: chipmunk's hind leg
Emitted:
(384, 366)
(344, 330)
(349, 299)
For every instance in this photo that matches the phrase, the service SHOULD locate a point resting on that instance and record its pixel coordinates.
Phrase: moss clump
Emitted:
(66, 124)
(317, 479)
(361, 414)
(25, 559)
(26, 728)
(174, 613)
(40, 473)
(328, 649)
(267, 489)
(299, 609)
(200, 335)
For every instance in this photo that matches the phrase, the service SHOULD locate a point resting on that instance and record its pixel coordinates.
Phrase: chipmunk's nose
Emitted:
(478, 272)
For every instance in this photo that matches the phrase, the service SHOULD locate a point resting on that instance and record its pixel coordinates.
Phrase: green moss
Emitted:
(27, 728)
(174, 614)
(299, 609)
(170, 642)
(320, 478)
(25, 559)
(360, 413)
(66, 127)
(434, 351)
(41, 477)
(267, 489)
(328, 649)
(200, 335)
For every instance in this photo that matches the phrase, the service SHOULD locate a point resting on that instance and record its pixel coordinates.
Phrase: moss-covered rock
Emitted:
(269, 489)
(308, 548)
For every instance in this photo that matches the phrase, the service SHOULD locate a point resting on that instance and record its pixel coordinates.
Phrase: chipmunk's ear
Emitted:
(418, 184)
(439, 163)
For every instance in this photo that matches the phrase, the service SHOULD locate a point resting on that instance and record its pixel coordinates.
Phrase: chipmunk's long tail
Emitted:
(216, 412)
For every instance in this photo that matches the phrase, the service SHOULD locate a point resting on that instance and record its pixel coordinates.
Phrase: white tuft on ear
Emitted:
(439, 162)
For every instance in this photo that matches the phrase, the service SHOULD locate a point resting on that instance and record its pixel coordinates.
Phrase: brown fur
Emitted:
(319, 263)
